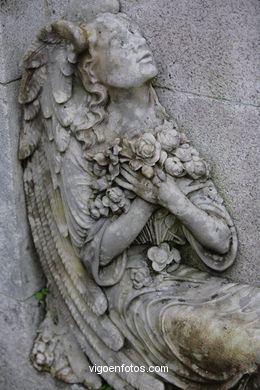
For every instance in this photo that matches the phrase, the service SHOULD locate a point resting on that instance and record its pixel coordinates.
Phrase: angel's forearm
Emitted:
(122, 232)
(210, 231)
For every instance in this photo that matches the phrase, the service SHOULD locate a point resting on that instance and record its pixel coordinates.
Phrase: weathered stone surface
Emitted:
(18, 323)
(20, 21)
(56, 9)
(20, 274)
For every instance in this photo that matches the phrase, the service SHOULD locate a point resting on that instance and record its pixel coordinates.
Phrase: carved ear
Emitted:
(77, 35)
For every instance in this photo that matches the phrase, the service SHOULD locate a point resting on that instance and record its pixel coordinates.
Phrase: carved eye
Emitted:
(119, 41)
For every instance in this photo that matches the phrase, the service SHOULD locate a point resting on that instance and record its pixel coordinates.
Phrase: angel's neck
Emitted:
(132, 104)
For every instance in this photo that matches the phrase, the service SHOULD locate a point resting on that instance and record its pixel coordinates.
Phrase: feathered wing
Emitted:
(56, 181)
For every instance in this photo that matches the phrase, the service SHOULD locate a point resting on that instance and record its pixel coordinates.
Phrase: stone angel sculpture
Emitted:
(115, 193)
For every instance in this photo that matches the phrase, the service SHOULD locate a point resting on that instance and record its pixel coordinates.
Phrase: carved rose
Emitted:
(184, 139)
(184, 152)
(115, 194)
(147, 171)
(169, 139)
(141, 278)
(174, 167)
(107, 163)
(162, 255)
(147, 149)
(101, 159)
(197, 168)
(97, 209)
(114, 200)
(98, 170)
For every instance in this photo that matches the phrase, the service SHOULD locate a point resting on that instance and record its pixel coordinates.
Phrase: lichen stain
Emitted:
(220, 347)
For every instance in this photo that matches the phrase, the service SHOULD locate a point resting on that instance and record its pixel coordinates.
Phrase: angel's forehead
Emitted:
(111, 25)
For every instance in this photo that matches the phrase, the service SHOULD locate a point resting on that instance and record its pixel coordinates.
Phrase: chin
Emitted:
(149, 72)
(134, 78)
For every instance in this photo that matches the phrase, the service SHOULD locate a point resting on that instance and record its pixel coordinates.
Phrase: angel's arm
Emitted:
(124, 230)
(211, 231)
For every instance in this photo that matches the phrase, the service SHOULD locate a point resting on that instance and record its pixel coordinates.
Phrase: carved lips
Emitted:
(146, 58)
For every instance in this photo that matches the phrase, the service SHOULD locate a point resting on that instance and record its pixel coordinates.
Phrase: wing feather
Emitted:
(30, 87)
(61, 84)
(46, 35)
(29, 137)
(46, 101)
(31, 110)
(35, 56)
(61, 137)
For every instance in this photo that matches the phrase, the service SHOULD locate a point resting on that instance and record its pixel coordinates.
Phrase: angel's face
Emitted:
(121, 55)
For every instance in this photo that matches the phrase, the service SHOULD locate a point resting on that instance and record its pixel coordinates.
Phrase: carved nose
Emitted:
(139, 42)
(142, 40)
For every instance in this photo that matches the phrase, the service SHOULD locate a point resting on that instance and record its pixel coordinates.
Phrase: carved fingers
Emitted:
(124, 184)
(136, 182)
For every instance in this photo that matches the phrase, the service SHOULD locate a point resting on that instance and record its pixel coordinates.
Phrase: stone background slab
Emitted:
(20, 274)
(18, 323)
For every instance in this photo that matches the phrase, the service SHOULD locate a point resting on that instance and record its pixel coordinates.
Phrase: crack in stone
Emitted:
(47, 8)
(219, 99)
(4, 83)
(24, 300)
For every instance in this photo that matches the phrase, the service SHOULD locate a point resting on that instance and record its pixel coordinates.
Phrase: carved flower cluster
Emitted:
(161, 256)
(168, 150)
(141, 277)
(114, 201)
(106, 167)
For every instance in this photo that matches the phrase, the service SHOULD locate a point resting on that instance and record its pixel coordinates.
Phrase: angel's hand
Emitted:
(136, 182)
(170, 193)
(187, 186)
